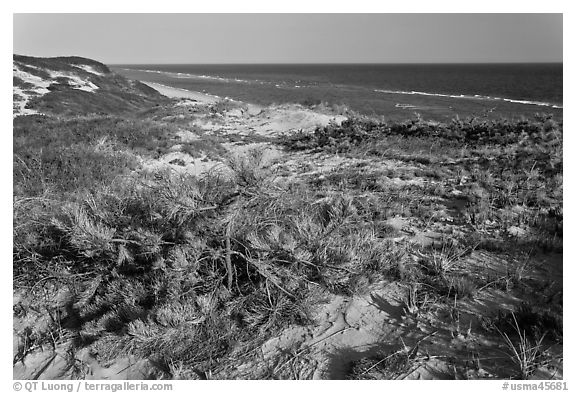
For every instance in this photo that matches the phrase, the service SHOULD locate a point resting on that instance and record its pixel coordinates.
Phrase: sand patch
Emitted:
(75, 81)
(38, 88)
(174, 92)
(344, 329)
(286, 118)
(182, 162)
(89, 69)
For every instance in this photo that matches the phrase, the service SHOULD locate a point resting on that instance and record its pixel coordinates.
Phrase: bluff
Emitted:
(75, 86)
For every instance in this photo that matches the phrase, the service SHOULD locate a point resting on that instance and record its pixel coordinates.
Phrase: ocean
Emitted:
(396, 91)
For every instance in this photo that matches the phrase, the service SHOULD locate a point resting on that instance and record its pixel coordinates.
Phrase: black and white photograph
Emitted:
(287, 196)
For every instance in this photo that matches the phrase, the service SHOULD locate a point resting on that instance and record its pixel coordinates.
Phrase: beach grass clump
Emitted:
(439, 262)
(226, 105)
(525, 353)
(208, 145)
(534, 319)
(186, 269)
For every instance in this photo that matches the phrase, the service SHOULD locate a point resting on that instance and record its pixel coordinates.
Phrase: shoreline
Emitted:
(174, 92)
(394, 105)
(201, 98)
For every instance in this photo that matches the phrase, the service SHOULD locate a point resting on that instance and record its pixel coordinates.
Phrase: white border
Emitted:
(301, 6)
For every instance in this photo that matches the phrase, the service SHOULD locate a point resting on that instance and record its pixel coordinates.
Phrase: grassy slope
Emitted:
(115, 94)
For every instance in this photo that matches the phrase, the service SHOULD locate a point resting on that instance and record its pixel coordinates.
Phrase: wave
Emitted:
(298, 84)
(475, 97)
(184, 75)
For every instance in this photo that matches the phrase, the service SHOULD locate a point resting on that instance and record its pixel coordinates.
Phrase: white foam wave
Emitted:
(475, 96)
(184, 75)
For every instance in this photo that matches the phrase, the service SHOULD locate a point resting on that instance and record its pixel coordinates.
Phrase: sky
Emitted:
(292, 38)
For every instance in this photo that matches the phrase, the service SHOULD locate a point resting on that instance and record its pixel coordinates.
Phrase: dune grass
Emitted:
(195, 272)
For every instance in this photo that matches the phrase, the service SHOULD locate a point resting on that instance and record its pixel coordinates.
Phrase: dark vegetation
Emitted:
(358, 130)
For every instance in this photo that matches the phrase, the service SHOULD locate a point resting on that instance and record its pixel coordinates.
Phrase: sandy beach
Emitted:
(173, 92)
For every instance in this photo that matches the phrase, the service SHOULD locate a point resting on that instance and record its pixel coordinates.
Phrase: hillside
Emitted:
(75, 85)
(203, 238)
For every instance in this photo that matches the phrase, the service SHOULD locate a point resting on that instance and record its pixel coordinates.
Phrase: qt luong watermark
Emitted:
(88, 386)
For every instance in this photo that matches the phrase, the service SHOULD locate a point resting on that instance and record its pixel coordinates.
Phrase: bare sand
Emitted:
(200, 98)
(173, 92)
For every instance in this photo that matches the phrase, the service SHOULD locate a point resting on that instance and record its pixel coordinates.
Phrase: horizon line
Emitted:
(302, 63)
(343, 63)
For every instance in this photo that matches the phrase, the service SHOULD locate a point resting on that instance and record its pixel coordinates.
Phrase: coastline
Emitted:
(173, 92)
(200, 98)
(395, 96)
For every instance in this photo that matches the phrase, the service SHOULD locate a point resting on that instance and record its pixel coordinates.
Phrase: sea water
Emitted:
(439, 90)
